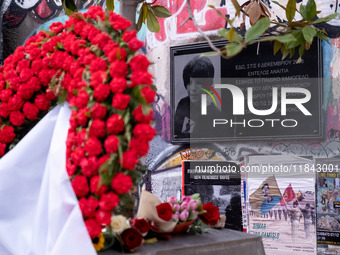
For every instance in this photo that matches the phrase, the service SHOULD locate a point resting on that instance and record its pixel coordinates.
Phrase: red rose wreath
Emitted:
(89, 62)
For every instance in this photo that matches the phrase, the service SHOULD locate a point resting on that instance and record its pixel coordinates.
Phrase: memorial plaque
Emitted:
(252, 96)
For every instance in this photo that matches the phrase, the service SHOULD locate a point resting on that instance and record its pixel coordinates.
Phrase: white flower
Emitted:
(119, 223)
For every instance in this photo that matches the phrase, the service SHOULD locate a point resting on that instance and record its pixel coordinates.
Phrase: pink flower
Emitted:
(172, 200)
(184, 215)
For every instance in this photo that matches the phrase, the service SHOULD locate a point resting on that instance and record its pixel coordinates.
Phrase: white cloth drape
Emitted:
(39, 212)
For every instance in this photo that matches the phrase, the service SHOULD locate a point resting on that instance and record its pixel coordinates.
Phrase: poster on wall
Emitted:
(218, 182)
(281, 203)
(328, 203)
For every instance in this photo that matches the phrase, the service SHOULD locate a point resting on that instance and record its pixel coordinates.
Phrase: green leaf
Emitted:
(301, 50)
(286, 38)
(233, 49)
(161, 11)
(299, 39)
(152, 22)
(257, 30)
(326, 19)
(237, 7)
(144, 12)
(110, 5)
(222, 32)
(310, 10)
(275, 2)
(69, 6)
(290, 10)
(291, 52)
(140, 20)
(209, 54)
(284, 52)
(277, 47)
(303, 11)
(322, 36)
(308, 33)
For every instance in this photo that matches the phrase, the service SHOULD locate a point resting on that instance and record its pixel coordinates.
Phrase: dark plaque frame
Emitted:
(312, 66)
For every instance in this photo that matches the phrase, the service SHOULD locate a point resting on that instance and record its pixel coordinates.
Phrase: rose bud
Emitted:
(193, 204)
(184, 215)
(172, 200)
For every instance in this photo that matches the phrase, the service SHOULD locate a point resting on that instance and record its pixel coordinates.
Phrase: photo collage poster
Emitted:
(328, 205)
(281, 203)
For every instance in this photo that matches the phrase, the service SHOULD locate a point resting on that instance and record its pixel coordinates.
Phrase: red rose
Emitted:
(118, 69)
(89, 166)
(88, 206)
(6, 134)
(128, 35)
(131, 238)
(129, 160)
(108, 201)
(117, 54)
(16, 118)
(139, 63)
(98, 111)
(2, 149)
(121, 183)
(140, 117)
(98, 128)
(134, 44)
(5, 95)
(93, 146)
(30, 111)
(95, 188)
(144, 131)
(115, 124)
(140, 147)
(211, 216)
(120, 101)
(111, 144)
(140, 78)
(101, 92)
(80, 186)
(103, 217)
(164, 211)
(93, 228)
(118, 84)
(148, 94)
(141, 224)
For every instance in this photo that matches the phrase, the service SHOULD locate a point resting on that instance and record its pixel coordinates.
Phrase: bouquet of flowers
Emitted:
(90, 62)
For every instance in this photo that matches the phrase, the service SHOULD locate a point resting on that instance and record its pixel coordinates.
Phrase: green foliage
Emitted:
(148, 15)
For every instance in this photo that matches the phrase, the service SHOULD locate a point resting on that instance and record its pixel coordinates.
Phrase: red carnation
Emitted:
(131, 238)
(118, 84)
(101, 92)
(98, 78)
(88, 206)
(82, 116)
(15, 103)
(70, 168)
(98, 64)
(42, 102)
(115, 124)
(140, 117)
(25, 91)
(82, 99)
(93, 228)
(77, 155)
(16, 118)
(148, 94)
(56, 27)
(25, 74)
(30, 111)
(111, 144)
(4, 111)
(140, 78)
(139, 63)
(134, 44)
(141, 224)
(93, 146)
(7, 134)
(128, 35)
(108, 201)
(98, 111)
(80, 186)
(89, 166)
(98, 128)
(120, 101)
(103, 217)
(118, 68)
(144, 132)
(129, 160)
(117, 54)
(140, 147)
(164, 211)
(95, 188)
(81, 136)
(2, 149)
(212, 215)
(5, 95)
(121, 183)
